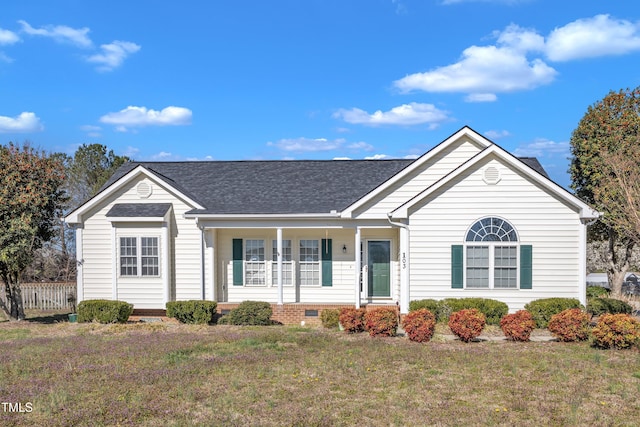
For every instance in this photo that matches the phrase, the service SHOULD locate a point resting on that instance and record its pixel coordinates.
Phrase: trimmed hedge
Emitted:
(619, 331)
(467, 324)
(330, 318)
(570, 325)
(598, 306)
(419, 325)
(352, 319)
(493, 310)
(192, 311)
(104, 311)
(249, 313)
(381, 321)
(518, 326)
(597, 291)
(543, 309)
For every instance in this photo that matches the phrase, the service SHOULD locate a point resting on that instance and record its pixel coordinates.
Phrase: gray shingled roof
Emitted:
(147, 210)
(277, 187)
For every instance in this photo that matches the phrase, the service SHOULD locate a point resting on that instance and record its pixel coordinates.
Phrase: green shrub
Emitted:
(330, 318)
(570, 325)
(430, 304)
(419, 325)
(518, 326)
(467, 324)
(193, 311)
(104, 311)
(598, 306)
(382, 321)
(618, 331)
(597, 291)
(493, 310)
(249, 313)
(543, 309)
(352, 319)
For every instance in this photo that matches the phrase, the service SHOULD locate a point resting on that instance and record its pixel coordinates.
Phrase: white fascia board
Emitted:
(75, 216)
(586, 212)
(198, 216)
(137, 219)
(464, 132)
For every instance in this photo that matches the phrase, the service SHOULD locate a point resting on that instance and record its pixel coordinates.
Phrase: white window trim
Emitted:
(139, 274)
(492, 248)
(319, 264)
(263, 262)
(272, 265)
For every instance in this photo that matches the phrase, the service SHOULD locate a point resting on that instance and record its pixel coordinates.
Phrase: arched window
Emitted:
(491, 255)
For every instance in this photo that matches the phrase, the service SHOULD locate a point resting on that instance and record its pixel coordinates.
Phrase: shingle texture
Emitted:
(276, 187)
(142, 210)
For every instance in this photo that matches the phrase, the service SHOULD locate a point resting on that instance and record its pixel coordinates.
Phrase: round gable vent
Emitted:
(491, 175)
(144, 190)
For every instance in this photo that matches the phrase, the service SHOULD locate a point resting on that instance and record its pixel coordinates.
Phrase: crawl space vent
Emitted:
(491, 175)
(144, 190)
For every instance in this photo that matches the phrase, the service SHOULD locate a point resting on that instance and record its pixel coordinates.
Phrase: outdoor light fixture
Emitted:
(344, 249)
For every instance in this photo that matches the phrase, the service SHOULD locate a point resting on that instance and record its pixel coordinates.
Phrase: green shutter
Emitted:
(457, 266)
(526, 267)
(327, 262)
(237, 262)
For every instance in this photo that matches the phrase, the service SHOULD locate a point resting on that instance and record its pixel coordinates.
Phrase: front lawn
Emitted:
(163, 374)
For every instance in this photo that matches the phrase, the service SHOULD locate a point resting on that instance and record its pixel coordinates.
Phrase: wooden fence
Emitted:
(46, 296)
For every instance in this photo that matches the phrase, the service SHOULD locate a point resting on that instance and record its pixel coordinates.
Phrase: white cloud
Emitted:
(360, 146)
(542, 147)
(60, 33)
(8, 37)
(131, 152)
(92, 131)
(407, 114)
(593, 37)
(481, 97)
(496, 134)
(141, 116)
(483, 70)
(378, 157)
(113, 54)
(307, 144)
(25, 122)
(5, 58)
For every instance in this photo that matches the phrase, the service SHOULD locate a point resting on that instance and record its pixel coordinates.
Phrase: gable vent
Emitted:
(491, 175)
(144, 190)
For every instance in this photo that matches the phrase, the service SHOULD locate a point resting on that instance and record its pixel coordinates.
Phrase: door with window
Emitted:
(379, 268)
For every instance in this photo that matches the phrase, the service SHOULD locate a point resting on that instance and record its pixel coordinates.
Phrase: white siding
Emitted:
(343, 285)
(432, 170)
(541, 220)
(99, 250)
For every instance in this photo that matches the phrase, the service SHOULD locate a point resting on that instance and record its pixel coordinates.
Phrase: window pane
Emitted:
(128, 256)
(491, 229)
(287, 270)
(506, 267)
(255, 268)
(309, 262)
(477, 266)
(286, 250)
(149, 256)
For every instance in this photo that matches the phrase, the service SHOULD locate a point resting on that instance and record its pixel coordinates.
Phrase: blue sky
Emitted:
(310, 79)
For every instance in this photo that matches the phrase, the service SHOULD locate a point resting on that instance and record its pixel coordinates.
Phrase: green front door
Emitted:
(379, 266)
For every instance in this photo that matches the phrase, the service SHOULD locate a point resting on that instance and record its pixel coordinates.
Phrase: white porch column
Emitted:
(357, 262)
(79, 265)
(211, 254)
(404, 270)
(279, 249)
(582, 265)
(166, 283)
(114, 263)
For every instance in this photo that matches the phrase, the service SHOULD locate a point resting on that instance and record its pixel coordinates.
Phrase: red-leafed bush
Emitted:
(467, 324)
(518, 326)
(570, 325)
(419, 325)
(382, 321)
(352, 319)
(616, 331)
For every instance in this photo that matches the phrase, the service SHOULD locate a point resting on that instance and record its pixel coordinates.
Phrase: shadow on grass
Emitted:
(48, 319)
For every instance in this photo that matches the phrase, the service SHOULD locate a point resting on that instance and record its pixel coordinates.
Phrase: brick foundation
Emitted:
(287, 314)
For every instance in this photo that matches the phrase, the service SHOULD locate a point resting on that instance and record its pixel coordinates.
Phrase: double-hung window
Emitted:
(254, 263)
(139, 256)
(309, 262)
(491, 254)
(287, 273)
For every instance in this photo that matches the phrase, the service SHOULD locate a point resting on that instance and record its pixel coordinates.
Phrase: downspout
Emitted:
(404, 264)
(583, 260)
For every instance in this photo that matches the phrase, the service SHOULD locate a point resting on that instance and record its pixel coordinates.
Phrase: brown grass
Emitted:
(167, 374)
